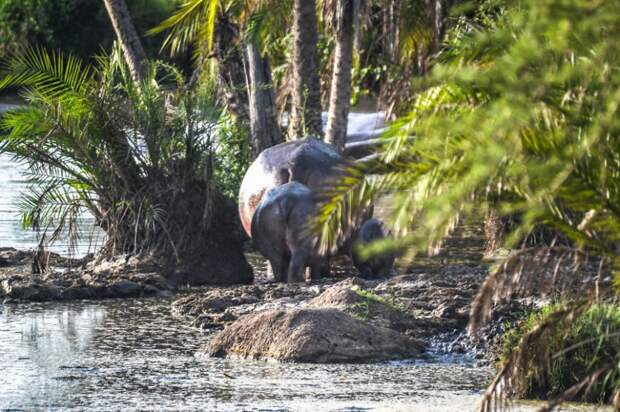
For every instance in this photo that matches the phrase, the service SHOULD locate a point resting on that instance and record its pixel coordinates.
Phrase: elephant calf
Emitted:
(280, 231)
(379, 264)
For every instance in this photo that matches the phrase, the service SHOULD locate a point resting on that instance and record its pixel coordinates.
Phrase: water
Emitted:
(132, 355)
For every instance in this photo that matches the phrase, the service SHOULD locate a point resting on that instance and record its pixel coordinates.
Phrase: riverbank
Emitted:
(428, 302)
(427, 306)
(70, 279)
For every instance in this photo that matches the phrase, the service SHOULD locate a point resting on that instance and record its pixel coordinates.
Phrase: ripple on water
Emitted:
(133, 355)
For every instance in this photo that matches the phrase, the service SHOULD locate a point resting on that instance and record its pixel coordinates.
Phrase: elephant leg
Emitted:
(279, 266)
(319, 267)
(315, 272)
(297, 267)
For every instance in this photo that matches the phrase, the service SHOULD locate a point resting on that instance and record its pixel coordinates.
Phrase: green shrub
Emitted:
(232, 156)
(567, 352)
(138, 157)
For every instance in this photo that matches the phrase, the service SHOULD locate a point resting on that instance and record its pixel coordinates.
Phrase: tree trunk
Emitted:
(231, 75)
(494, 230)
(127, 37)
(263, 125)
(438, 13)
(340, 96)
(306, 109)
(391, 30)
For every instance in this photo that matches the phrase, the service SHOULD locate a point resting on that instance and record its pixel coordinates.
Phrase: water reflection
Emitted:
(132, 355)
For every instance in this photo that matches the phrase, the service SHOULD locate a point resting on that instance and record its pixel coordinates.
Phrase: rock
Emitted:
(29, 291)
(309, 335)
(216, 300)
(77, 293)
(124, 289)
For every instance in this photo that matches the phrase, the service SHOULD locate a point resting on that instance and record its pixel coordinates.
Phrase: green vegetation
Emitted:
(567, 353)
(519, 117)
(138, 157)
(373, 305)
(232, 148)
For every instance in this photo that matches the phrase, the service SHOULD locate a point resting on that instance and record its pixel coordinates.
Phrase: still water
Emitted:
(132, 355)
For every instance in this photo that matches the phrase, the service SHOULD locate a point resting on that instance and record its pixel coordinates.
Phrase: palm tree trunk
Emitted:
(231, 69)
(263, 125)
(127, 37)
(340, 95)
(438, 14)
(306, 109)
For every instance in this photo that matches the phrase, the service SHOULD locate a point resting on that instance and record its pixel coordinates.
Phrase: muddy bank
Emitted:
(75, 279)
(429, 303)
(430, 308)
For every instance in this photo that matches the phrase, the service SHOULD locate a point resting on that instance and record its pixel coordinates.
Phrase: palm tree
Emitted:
(263, 126)
(229, 30)
(127, 37)
(138, 157)
(340, 95)
(306, 105)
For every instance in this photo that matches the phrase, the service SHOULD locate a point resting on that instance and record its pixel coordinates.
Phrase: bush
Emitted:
(138, 157)
(568, 352)
(233, 156)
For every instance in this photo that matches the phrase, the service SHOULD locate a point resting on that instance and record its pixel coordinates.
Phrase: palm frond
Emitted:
(193, 19)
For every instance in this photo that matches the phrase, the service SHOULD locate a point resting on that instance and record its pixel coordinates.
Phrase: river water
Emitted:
(132, 355)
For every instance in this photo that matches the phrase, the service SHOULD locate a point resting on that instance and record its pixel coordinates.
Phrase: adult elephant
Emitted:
(308, 161)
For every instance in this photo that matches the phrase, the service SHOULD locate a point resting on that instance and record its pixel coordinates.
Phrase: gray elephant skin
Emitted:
(377, 265)
(308, 161)
(280, 231)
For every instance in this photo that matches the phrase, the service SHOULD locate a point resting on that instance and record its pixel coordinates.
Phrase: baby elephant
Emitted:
(280, 232)
(378, 264)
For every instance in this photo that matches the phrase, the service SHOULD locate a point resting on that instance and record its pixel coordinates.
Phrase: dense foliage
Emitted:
(575, 349)
(519, 116)
(522, 118)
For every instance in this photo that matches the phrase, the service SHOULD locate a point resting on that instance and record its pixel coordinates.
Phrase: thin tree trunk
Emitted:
(340, 95)
(127, 37)
(306, 109)
(263, 125)
(391, 30)
(438, 14)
